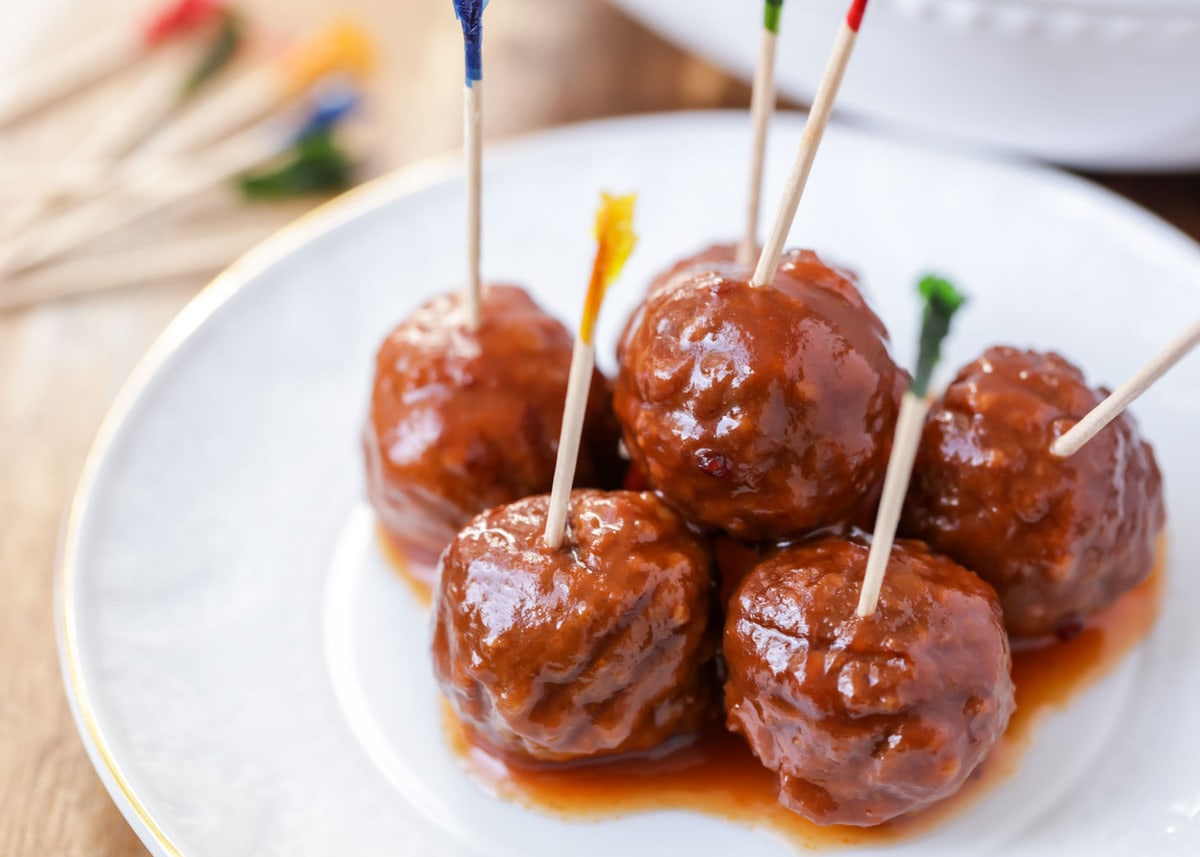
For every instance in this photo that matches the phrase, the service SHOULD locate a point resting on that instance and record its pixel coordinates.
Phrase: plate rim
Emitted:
(198, 309)
(328, 215)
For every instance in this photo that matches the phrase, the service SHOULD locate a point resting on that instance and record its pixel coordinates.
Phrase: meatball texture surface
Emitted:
(603, 647)
(866, 719)
(462, 420)
(1058, 538)
(717, 256)
(762, 412)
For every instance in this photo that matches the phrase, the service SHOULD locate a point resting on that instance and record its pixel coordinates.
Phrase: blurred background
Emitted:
(109, 224)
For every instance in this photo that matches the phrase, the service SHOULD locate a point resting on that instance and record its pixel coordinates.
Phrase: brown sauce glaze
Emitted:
(719, 776)
(418, 576)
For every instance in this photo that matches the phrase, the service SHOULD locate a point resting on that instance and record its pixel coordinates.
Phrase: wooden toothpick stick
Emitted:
(614, 243)
(810, 140)
(146, 102)
(73, 68)
(762, 105)
(470, 15)
(942, 301)
(341, 48)
(1111, 408)
(186, 257)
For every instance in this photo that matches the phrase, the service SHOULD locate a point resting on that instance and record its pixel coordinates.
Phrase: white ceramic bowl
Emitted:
(1101, 84)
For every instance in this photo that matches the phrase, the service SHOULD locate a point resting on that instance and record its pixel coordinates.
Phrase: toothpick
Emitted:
(68, 71)
(1112, 407)
(103, 215)
(762, 105)
(77, 66)
(615, 240)
(810, 140)
(473, 148)
(341, 48)
(187, 257)
(150, 98)
(942, 301)
(470, 16)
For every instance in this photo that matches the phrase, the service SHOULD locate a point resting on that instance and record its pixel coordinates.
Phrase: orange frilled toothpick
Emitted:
(615, 241)
(343, 48)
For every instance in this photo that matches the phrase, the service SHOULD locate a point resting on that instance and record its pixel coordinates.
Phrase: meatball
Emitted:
(763, 412)
(462, 420)
(866, 719)
(603, 647)
(1059, 538)
(715, 257)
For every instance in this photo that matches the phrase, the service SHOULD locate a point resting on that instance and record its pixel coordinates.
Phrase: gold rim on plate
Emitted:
(367, 197)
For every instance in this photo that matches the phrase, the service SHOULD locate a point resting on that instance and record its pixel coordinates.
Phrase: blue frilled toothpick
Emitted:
(470, 15)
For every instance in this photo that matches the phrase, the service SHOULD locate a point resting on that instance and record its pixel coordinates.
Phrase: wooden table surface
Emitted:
(61, 364)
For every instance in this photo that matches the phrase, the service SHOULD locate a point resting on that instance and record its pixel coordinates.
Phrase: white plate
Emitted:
(1100, 84)
(251, 678)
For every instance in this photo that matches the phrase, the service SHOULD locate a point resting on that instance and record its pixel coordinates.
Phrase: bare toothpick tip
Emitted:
(1113, 406)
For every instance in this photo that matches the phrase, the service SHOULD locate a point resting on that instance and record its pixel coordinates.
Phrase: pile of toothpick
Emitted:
(128, 147)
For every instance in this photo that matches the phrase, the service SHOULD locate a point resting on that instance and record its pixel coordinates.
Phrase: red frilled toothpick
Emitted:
(810, 141)
(72, 69)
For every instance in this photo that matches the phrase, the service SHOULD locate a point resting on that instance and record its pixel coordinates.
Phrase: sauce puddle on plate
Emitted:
(718, 775)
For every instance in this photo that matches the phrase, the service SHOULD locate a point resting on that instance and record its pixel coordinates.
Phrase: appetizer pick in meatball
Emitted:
(602, 647)
(1059, 538)
(764, 412)
(462, 420)
(864, 719)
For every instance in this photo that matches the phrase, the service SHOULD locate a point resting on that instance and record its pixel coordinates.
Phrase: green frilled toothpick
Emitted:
(315, 163)
(762, 106)
(941, 302)
(226, 42)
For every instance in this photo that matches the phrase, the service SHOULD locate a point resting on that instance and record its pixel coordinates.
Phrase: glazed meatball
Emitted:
(600, 648)
(763, 412)
(866, 719)
(462, 420)
(714, 256)
(719, 256)
(1059, 538)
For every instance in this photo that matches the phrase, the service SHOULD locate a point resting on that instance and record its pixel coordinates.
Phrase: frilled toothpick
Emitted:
(72, 69)
(941, 302)
(614, 242)
(762, 106)
(470, 16)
